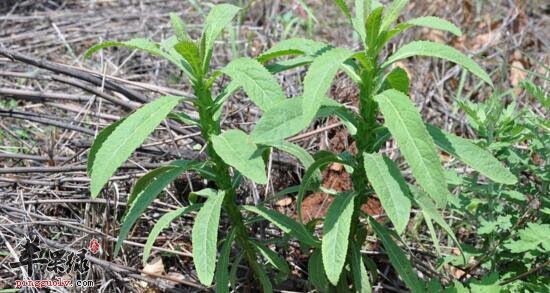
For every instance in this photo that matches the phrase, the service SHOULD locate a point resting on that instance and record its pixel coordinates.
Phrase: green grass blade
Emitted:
(322, 161)
(430, 213)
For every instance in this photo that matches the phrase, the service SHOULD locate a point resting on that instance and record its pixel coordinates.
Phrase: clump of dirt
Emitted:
(335, 177)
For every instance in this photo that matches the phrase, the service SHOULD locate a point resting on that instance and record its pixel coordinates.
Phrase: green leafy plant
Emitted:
(115, 144)
(383, 90)
(512, 242)
(335, 262)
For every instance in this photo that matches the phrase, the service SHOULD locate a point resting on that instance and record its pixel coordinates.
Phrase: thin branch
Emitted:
(62, 69)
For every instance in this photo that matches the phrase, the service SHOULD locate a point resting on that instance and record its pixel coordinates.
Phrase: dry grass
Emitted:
(43, 184)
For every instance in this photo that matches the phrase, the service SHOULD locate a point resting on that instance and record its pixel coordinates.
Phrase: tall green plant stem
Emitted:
(209, 128)
(365, 141)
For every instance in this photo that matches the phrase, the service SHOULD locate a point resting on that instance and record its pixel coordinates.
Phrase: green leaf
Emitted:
(346, 116)
(373, 27)
(360, 275)
(456, 287)
(125, 138)
(204, 238)
(267, 287)
(305, 7)
(390, 187)
(336, 229)
(472, 155)
(237, 149)
(149, 47)
(98, 142)
(397, 79)
(153, 175)
(284, 120)
(257, 82)
(291, 47)
(137, 43)
(286, 224)
(190, 52)
(280, 122)
(274, 259)
(319, 79)
(168, 45)
(302, 155)
(179, 27)
(316, 273)
(397, 258)
(538, 92)
(218, 18)
(362, 9)
(432, 49)
(489, 284)
(182, 118)
(222, 273)
(386, 36)
(429, 210)
(233, 270)
(145, 191)
(344, 8)
(162, 224)
(392, 13)
(405, 124)
(436, 23)
(535, 236)
(205, 193)
(286, 65)
(276, 54)
(322, 160)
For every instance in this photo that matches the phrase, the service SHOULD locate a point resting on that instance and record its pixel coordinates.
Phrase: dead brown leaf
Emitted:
(517, 74)
(155, 266)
